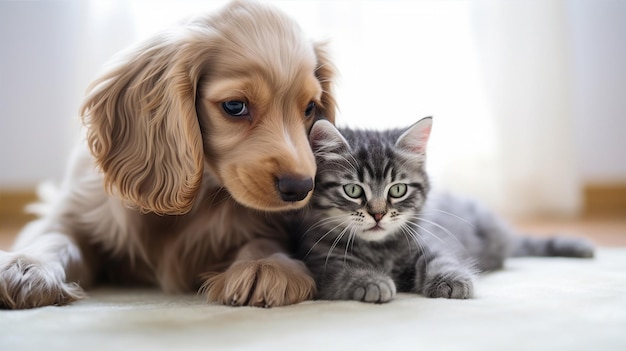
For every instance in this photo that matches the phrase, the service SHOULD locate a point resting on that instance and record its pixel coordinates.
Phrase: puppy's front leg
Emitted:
(262, 275)
(43, 270)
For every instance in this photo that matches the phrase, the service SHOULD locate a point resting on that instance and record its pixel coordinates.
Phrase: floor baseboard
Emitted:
(605, 199)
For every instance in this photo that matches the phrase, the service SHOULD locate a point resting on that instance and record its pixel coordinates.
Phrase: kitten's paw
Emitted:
(26, 282)
(365, 286)
(375, 291)
(571, 247)
(449, 287)
(274, 281)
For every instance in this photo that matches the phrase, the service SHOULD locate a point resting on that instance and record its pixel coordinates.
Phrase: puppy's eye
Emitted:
(310, 108)
(235, 108)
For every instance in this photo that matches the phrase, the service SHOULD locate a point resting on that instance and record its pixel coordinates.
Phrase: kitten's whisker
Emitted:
(324, 236)
(426, 230)
(407, 238)
(332, 247)
(444, 229)
(322, 222)
(415, 236)
(351, 236)
(452, 215)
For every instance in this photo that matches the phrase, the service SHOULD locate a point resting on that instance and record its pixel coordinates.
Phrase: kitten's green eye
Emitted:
(353, 190)
(397, 190)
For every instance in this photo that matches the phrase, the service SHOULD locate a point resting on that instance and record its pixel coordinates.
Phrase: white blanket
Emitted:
(533, 304)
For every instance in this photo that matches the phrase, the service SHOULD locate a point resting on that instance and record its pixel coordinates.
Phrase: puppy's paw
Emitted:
(26, 282)
(274, 281)
(449, 287)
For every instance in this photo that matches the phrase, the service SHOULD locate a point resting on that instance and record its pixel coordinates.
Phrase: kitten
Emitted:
(372, 229)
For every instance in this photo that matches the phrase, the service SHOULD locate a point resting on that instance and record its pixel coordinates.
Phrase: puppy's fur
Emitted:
(171, 190)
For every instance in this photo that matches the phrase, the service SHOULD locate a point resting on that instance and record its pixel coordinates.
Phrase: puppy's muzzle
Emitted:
(294, 188)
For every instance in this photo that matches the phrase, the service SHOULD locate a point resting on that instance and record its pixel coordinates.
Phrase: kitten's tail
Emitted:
(551, 246)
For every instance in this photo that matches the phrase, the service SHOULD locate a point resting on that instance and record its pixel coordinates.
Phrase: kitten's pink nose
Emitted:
(377, 208)
(378, 216)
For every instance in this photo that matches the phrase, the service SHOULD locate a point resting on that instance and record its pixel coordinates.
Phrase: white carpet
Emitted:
(534, 304)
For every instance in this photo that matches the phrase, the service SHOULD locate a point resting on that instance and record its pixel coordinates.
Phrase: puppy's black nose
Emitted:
(293, 188)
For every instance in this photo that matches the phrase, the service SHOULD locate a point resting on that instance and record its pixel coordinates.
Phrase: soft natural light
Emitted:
(398, 61)
(499, 89)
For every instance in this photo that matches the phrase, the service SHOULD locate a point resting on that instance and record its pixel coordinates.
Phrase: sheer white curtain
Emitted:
(527, 69)
(494, 74)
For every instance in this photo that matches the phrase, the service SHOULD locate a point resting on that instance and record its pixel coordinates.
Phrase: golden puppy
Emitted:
(194, 141)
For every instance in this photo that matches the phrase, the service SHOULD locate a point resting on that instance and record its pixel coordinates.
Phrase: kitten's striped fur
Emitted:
(373, 229)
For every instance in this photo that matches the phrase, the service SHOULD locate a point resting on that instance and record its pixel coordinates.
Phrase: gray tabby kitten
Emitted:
(372, 228)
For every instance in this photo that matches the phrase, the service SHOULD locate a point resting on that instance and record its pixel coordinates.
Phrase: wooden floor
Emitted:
(602, 231)
(7, 235)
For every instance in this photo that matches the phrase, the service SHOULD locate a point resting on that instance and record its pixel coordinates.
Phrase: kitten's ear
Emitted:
(324, 137)
(414, 140)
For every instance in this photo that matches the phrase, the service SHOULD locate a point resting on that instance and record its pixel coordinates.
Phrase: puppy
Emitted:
(196, 140)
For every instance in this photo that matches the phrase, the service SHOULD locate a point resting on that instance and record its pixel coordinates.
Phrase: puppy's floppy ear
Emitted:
(142, 125)
(325, 73)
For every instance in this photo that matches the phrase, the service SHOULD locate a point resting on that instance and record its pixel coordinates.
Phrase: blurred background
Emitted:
(528, 96)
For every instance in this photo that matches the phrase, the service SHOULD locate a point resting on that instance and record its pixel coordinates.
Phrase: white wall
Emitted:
(598, 30)
(38, 100)
(51, 51)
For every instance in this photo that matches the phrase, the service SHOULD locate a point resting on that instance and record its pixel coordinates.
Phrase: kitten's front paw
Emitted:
(375, 291)
(449, 287)
(366, 286)
(274, 281)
